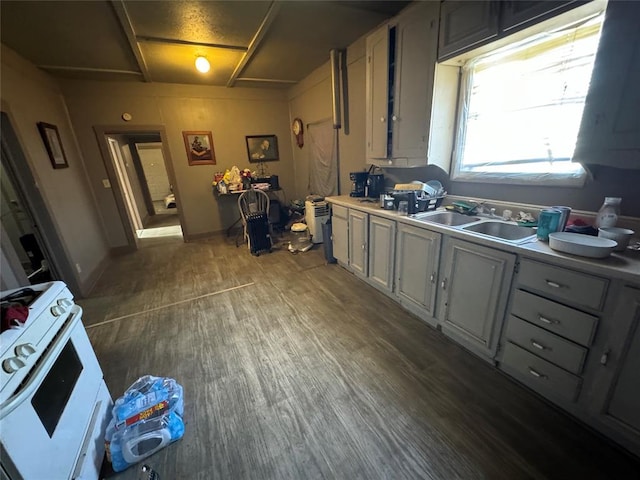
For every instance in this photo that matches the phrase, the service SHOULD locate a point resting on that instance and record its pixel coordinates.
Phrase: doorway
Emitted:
(18, 228)
(31, 250)
(140, 172)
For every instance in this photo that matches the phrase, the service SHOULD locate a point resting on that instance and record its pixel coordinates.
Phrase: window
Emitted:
(521, 106)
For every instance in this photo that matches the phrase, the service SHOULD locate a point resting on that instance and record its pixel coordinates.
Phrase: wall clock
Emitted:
(298, 131)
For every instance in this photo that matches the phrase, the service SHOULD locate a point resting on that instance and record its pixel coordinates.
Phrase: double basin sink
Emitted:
(497, 229)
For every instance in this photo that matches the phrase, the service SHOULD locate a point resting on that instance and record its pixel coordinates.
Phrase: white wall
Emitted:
(154, 170)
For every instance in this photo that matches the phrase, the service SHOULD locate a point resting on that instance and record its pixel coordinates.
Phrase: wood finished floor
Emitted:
(304, 372)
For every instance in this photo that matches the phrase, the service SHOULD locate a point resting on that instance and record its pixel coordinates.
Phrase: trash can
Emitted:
(328, 243)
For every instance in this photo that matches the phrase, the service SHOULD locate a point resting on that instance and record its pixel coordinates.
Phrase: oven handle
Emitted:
(43, 368)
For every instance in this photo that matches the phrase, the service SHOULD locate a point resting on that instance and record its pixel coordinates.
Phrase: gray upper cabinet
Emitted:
(382, 246)
(358, 246)
(521, 14)
(614, 380)
(475, 287)
(610, 129)
(401, 58)
(377, 93)
(466, 24)
(340, 233)
(417, 254)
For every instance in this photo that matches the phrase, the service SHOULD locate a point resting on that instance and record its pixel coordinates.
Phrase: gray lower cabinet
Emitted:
(612, 387)
(382, 245)
(340, 233)
(554, 316)
(417, 254)
(475, 284)
(358, 242)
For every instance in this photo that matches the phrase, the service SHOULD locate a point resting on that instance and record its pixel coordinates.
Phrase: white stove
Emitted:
(54, 403)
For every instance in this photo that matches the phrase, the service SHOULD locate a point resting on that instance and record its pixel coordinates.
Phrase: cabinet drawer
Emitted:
(339, 211)
(539, 374)
(576, 287)
(572, 324)
(546, 345)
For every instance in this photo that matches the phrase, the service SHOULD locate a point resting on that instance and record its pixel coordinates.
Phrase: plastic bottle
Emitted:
(609, 212)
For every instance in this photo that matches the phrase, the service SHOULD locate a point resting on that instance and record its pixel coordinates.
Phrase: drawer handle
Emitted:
(546, 320)
(553, 284)
(536, 374)
(537, 345)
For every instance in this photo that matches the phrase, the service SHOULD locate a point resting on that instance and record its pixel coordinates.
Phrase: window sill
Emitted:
(546, 180)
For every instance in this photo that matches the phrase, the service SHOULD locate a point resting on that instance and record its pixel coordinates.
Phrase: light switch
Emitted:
(106, 183)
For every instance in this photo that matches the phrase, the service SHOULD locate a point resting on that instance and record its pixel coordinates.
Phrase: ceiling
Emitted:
(248, 43)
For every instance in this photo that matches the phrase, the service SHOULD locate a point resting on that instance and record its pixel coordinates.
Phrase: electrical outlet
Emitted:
(78, 268)
(106, 183)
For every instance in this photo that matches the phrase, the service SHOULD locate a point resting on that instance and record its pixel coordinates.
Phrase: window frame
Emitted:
(571, 179)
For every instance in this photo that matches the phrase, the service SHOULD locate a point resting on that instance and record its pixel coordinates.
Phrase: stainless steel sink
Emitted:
(451, 219)
(502, 230)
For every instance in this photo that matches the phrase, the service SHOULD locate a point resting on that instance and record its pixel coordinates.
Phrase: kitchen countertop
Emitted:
(621, 265)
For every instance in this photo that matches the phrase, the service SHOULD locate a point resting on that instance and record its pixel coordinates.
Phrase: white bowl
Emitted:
(582, 245)
(620, 235)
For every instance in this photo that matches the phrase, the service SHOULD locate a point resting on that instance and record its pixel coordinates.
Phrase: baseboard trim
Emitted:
(117, 251)
(199, 236)
(89, 284)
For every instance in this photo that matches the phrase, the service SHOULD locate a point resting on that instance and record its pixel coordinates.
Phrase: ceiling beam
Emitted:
(264, 80)
(255, 41)
(88, 69)
(127, 27)
(171, 41)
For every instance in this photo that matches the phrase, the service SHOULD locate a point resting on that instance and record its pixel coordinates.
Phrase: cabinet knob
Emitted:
(553, 284)
(394, 118)
(444, 284)
(432, 278)
(605, 357)
(382, 119)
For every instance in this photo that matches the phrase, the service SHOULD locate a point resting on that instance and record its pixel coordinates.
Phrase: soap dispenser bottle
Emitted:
(609, 212)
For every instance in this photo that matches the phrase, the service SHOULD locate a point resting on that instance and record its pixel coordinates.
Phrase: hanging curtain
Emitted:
(323, 164)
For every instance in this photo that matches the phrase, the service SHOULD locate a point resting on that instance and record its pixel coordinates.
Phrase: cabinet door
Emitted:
(377, 88)
(464, 25)
(340, 236)
(520, 14)
(614, 382)
(382, 247)
(417, 258)
(475, 288)
(416, 44)
(358, 233)
(610, 129)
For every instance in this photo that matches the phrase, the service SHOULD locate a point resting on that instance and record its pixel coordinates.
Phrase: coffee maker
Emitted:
(358, 183)
(374, 186)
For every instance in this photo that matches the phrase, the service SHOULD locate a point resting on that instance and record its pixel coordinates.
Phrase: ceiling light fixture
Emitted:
(202, 64)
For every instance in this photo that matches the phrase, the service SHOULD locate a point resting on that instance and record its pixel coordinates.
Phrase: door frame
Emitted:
(102, 131)
(21, 176)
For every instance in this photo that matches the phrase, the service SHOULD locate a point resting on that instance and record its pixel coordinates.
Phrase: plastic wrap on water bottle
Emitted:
(144, 420)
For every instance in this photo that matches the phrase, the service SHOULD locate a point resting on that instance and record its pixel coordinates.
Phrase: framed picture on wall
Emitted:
(199, 147)
(262, 148)
(53, 144)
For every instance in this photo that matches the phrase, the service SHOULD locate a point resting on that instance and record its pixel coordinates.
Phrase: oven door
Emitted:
(45, 421)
